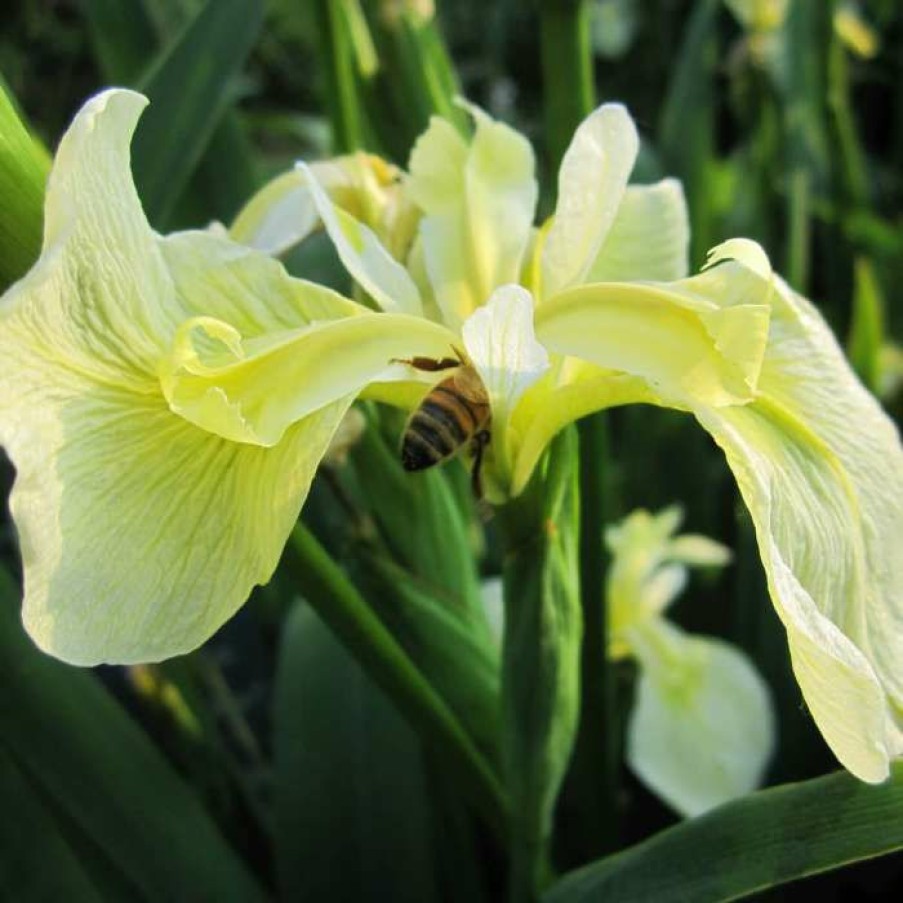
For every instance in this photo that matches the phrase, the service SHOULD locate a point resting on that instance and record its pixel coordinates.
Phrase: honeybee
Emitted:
(453, 413)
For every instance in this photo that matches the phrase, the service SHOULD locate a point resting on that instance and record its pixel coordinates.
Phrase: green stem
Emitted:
(687, 130)
(337, 56)
(340, 605)
(540, 658)
(569, 97)
(567, 71)
(798, 231)
(854, 183)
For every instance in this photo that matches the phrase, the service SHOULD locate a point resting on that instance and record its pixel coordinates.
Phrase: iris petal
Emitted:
(363, 255)
(591, 184)
(649, 239)
(821, 470)
(702, 730)
(478, 201)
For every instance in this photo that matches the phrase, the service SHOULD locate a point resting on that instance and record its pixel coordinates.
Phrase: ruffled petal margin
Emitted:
(820, 468)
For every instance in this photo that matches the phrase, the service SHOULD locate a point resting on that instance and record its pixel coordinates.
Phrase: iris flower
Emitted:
(166, 399)
(701, 730)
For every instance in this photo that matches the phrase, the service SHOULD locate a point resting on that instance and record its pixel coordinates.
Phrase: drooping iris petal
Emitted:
(701, 730)
(140, 533)
(821, 470)
(675, 336)
(363, 255)
(591, 184)
(478, 202)
(649, 239)
(502, 346)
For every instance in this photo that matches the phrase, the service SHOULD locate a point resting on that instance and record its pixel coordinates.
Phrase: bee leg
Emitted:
(432, 364)
(429, 364)
(480, 441)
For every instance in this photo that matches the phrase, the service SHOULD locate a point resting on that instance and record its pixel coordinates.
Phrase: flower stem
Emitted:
(590, 789)
(853, 177)
(337, 57)
(340, 605)
(540, 658)
(567, 71)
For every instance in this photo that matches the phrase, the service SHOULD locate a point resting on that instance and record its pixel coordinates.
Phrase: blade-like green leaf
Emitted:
(420, 520)
(763, 840)
(455, 652)
(126, 41)
(687, 127)
(23, 170)
(36, 863)
(86, 756)
(122, 36)
(189, 89)
(337, 601)
(351, 808)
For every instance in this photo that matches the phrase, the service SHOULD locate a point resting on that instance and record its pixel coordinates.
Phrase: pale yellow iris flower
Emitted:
(166, 400)
(701, 730)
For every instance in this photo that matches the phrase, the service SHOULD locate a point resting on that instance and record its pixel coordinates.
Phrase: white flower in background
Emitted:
(702, 729)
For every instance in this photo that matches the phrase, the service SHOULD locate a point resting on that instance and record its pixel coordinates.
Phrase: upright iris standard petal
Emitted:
(140, 533)
(649, 239)
(478, 201)
(821, 470)
(591, 184)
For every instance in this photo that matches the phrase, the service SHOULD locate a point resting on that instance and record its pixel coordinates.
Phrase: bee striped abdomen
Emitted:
(442, 424)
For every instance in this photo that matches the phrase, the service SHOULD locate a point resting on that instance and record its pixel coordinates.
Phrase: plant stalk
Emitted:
(567, 71)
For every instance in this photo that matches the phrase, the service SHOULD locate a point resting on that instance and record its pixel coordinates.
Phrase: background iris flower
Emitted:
(701, 730)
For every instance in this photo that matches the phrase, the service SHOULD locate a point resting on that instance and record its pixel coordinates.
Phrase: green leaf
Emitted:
(763, 840)
(188, 99)
(24, 165)
(76, 745)
(352, 813)
(540, 656)
(453, 648)
(125, 41)
(420, 520)
(36, 863)
(352, 620)
(122, 36)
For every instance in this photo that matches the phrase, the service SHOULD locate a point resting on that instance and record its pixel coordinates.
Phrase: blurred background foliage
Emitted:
(271, 741)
